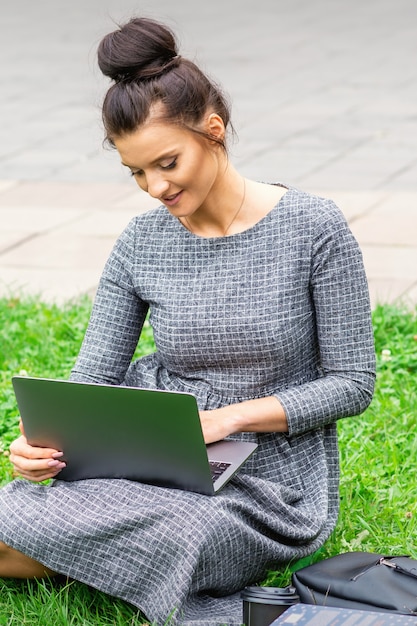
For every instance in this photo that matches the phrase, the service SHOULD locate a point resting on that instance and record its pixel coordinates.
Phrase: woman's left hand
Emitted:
(218, 424)
(260, 415)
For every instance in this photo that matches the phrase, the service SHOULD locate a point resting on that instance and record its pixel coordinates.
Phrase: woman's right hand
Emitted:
(32, 463)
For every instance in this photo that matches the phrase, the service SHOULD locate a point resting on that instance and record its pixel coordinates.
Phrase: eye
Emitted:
(135, 173)
(170, 165)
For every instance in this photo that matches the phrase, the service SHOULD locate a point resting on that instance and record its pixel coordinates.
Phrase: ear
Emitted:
(215, 126)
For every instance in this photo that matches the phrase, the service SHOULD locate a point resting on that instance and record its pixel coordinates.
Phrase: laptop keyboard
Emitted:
(217, 469)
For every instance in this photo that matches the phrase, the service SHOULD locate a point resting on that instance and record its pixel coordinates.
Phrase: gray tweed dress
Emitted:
(281, 309)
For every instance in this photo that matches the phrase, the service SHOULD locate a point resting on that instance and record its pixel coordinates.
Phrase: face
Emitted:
(172, 164)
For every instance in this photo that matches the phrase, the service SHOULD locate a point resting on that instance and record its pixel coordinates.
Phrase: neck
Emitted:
(222, 209)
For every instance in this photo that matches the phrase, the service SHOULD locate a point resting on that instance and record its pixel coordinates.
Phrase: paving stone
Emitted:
(386, 229)
(59, 251)
(29, 221)
(58, 285)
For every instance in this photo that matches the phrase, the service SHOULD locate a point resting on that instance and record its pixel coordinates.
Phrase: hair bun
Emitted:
(140, 49)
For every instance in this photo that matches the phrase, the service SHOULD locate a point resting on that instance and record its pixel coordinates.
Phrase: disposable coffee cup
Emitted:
(262, 605)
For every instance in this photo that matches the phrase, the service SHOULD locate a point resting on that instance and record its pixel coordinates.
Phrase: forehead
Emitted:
(152, 141)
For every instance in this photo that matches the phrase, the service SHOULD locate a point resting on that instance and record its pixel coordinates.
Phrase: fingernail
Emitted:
(56, 464)
(57, 455)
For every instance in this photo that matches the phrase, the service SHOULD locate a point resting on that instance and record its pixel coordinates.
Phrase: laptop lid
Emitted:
(108, 431)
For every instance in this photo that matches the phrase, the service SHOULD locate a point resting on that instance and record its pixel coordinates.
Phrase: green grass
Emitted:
(61, 603)
(378, 451)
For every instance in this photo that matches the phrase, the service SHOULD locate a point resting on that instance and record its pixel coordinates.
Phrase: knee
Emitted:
(15, 564)
(4, 549)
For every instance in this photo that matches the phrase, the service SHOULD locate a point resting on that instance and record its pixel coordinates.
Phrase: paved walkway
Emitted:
(324, 97)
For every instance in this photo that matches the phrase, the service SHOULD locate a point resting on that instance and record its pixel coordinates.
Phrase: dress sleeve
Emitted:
(116, 320)
(339, 292)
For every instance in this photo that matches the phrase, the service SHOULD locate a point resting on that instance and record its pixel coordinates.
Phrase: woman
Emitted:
(259, 305)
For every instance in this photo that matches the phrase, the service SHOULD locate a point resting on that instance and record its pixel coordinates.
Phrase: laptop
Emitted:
(108, 431)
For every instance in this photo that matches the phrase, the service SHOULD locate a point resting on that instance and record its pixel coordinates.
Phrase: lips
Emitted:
(172, 199)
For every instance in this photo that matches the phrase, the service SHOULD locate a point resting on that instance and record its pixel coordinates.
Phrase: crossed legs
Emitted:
(15, 564)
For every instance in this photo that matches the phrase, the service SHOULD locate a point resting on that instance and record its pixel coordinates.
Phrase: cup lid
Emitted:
(285, 594)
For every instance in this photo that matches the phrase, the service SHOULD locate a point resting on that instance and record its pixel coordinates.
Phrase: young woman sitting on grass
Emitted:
(259, 305)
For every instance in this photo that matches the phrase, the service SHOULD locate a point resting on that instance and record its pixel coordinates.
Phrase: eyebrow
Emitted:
(167, 155)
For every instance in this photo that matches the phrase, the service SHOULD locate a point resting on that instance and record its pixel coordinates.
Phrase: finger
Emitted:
(37, 477)
(23, 464)
(22, 430)
(21, 447)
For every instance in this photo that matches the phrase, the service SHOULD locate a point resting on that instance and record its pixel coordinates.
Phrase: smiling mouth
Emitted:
(173, 199)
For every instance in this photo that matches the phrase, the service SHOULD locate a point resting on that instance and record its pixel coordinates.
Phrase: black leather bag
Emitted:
(361, 580)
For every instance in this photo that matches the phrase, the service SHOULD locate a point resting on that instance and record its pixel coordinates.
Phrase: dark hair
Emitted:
(142, 59)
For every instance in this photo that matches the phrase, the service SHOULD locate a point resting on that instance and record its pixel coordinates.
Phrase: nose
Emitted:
(156, 185)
